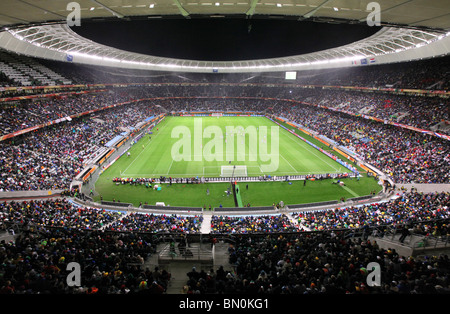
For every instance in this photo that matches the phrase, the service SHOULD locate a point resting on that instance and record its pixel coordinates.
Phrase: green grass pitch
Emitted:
(159, 154)
(153, 157)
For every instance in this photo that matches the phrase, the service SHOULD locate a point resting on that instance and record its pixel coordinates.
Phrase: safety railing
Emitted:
(194, 252)
(434, 242)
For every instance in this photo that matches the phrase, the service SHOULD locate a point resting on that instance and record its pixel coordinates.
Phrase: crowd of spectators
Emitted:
(55, 232)
(421, 74)
(50, 158)
(29, 113)
(430, 74)
(408, 209)
(251, 224)
(327, 263)
(55, 213)
(270, 254)
(155, 223)
(111, 263)
(416, 111)
(321, 259)
(79, 139)
(110, 246)
(406, 155)
(61, 212)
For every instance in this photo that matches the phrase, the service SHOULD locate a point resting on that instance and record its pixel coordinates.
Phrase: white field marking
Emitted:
(350, 191)
(309, 149)
(206, 167)
(289, 163)
(159, 132)
(168, 170)
(314, 151)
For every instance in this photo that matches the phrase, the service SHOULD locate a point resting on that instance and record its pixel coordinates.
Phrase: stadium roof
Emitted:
(432, 14)
(426, 34)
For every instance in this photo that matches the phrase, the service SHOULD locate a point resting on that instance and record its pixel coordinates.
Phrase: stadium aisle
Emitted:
(112, 222)
(206, 224)
(7, 236)
(292, 219)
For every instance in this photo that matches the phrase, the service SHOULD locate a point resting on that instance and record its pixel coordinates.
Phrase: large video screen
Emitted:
(291, 75)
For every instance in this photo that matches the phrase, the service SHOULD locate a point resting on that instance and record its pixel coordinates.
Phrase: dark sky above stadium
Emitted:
(222, 39)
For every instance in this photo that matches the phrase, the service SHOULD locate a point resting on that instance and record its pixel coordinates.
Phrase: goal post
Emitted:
(239, 171)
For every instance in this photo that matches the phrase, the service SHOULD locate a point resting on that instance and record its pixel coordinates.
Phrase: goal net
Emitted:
(239, 171)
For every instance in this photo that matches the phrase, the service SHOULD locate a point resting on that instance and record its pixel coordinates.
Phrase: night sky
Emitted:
(222, 39)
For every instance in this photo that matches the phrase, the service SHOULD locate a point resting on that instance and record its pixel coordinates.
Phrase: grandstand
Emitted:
(88, 172)
(25, 71)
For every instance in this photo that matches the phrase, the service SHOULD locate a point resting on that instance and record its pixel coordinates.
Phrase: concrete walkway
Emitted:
(7, 236)
(29, 195)
(179, 269)
(291, 219)
(206, 223)
(425, 187)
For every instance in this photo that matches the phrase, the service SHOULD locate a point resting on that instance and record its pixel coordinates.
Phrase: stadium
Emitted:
(224, 148)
